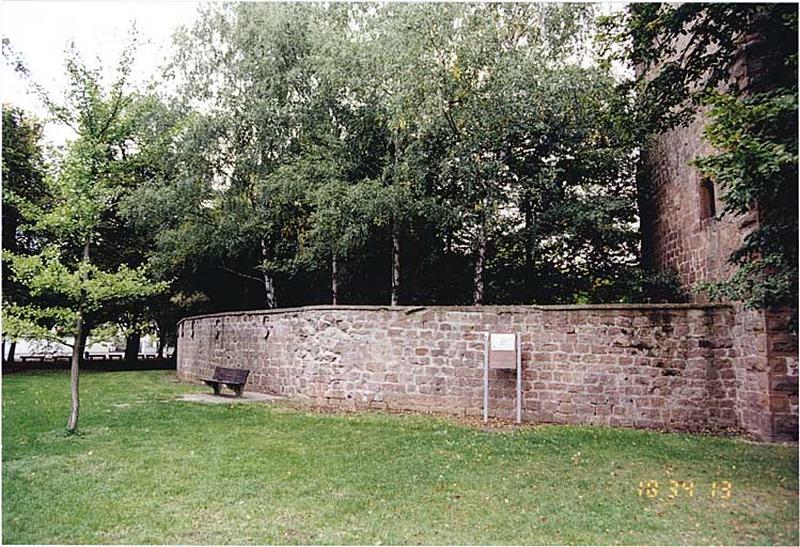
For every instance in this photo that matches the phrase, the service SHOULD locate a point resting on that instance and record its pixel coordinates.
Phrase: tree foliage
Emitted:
(757, 166)
(80, 270)
(473, 151)
(23, 182)
(687, 58)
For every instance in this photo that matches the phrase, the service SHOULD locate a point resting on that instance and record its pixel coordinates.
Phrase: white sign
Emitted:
(503, 342)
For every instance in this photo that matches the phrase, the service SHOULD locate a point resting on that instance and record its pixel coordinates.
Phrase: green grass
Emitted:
(150, 469)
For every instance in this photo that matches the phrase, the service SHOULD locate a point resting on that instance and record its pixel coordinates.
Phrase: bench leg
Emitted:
(238, 390)
(217, 388)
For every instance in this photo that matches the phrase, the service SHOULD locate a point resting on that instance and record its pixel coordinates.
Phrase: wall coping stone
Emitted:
(469, 309)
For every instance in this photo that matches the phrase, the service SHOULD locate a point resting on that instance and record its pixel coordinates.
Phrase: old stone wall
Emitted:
(684, 232)
(679, 367)
(782, 364)
(679, 232)
(679, 235)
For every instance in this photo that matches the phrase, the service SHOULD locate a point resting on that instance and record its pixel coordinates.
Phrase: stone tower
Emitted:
(685, 233)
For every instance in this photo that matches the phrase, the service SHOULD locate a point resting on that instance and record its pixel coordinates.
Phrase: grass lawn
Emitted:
(149, 469)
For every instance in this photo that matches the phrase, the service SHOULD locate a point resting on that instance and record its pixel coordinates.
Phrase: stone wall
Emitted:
(677, 367)
(782, 364)
(677, 236)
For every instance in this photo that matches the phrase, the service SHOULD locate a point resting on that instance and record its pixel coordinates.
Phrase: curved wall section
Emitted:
(667, 366)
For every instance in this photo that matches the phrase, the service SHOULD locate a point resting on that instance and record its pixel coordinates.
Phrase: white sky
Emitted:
(41, 31)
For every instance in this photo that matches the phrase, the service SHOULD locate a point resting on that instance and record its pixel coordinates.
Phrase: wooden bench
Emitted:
(234, 378)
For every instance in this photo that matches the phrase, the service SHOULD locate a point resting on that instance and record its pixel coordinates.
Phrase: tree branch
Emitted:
(240, 274)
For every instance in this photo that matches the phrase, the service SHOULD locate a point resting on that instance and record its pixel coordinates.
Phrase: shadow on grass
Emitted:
(95, 365)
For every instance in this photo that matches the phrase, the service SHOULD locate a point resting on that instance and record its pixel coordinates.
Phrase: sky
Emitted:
(40, 31)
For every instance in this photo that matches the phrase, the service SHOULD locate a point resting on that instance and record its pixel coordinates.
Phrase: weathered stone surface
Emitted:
(680, 235)
(665, 366)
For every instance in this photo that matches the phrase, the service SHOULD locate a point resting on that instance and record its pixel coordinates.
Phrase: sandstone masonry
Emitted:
(671, 366)
(685, 232)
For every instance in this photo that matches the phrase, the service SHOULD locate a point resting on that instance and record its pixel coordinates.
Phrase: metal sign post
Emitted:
(502, 351)
(486, 378)
(519, 379)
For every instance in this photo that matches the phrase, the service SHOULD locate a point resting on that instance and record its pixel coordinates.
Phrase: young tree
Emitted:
(79, 267)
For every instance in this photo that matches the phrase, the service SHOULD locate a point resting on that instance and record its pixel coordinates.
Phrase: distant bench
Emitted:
(234, 378)
(102, 356)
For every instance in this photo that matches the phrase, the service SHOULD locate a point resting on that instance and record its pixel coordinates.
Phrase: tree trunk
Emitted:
(528, 249)
(395, 265)
(165, 331)
(77, 350)
(395, 291)
(269, 290)
(12, 349)
(480, 255)
(132, 343)
(269, 283)
(85, 338)
(334, 281)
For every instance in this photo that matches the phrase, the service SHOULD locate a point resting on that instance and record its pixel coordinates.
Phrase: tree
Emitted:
(370, 62)
(78, 266)
(521, 126)
(155, 126)
(23, 181)
(685, 57)
(248, 65)
(334, 137)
